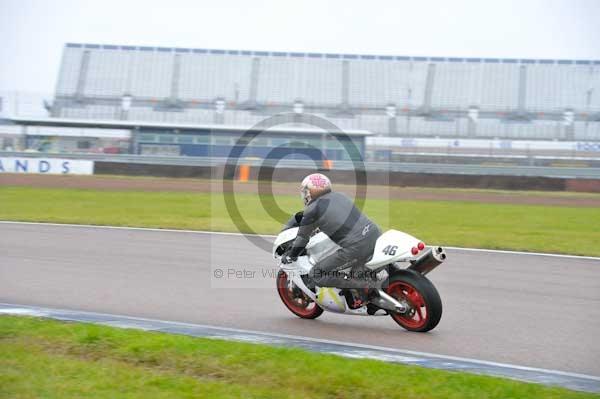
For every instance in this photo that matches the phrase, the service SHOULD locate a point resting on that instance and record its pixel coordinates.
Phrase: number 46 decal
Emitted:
(390, 250)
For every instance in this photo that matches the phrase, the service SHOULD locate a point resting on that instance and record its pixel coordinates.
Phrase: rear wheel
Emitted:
(420, 295)
(295, 300)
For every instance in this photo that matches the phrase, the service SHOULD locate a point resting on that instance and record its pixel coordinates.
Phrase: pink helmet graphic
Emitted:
(313, 186)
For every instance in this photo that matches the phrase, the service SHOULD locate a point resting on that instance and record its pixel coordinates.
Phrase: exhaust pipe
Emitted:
(431, 259)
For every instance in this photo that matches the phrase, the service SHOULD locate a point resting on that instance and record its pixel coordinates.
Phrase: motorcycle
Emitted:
(399, 263)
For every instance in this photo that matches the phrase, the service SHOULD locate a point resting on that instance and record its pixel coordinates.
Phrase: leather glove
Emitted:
(286, 259)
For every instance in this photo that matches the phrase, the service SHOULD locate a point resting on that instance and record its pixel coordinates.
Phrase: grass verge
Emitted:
(51, 359)
(552, 229)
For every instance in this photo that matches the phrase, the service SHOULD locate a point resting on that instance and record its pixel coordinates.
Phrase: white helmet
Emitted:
(313, 186)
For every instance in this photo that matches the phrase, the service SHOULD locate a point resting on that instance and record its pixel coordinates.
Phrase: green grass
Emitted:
(294, 186)
(552, 229)
(49, 359)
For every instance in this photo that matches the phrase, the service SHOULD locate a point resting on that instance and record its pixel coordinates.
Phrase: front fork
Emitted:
(294, 275)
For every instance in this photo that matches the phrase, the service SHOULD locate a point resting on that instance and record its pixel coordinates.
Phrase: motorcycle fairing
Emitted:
(397, 246)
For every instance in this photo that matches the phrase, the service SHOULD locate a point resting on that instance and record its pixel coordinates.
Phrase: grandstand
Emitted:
(388, 95)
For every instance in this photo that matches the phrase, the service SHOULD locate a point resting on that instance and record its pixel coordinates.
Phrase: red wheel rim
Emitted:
(300, 304)
(418, 314)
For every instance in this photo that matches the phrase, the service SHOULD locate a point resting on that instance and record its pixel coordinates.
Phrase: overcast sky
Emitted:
(33, 32)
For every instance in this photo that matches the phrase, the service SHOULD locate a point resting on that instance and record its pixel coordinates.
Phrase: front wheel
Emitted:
(424, 303)
(295, 300)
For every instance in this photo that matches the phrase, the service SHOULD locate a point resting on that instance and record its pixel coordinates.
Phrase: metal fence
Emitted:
(568, 170)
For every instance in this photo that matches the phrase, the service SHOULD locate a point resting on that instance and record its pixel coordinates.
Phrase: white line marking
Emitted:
(24, 308)
(22, 312)
(504, 251)
(92, 226)
(224, 233)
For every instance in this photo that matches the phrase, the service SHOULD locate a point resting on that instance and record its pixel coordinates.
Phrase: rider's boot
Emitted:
(363, 295)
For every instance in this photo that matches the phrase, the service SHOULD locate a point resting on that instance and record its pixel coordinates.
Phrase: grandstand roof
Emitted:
(331, 55)
(116, 124)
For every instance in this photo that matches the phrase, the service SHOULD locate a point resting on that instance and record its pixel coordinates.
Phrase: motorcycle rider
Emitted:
(335, 214)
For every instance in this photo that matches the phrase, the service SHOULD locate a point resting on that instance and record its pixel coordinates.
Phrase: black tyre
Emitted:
(295, 300)
(423, 299)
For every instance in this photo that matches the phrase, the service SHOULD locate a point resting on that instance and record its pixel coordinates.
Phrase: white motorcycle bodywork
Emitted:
(391, 247)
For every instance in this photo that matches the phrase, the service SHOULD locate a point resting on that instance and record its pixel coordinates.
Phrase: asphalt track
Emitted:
(529, 310)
